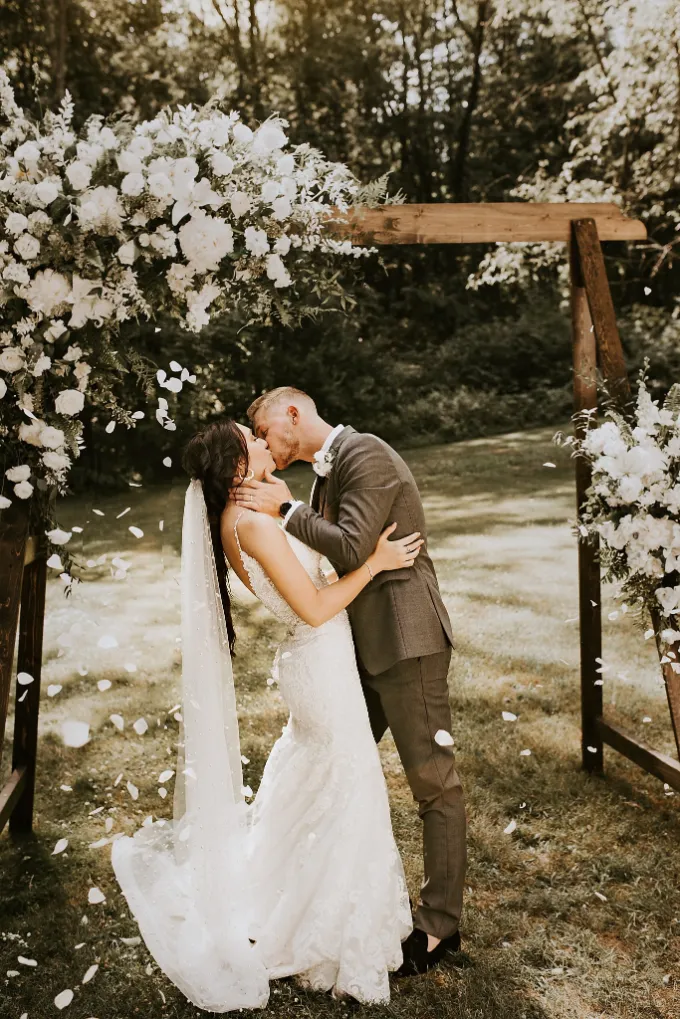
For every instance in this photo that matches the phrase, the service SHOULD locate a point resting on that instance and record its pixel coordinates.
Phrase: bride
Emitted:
(307, 880)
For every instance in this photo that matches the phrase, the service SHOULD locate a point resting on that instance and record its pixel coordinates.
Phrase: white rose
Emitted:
(108, 139)
(38, 223)
(221, 163)
(20, 473)
(11, 359)
(23, 490)
(240, 204)
(51, 437)
(256, 241)
(144, 240)
(41, 365)
(126, 253)
(47, 291)
(132, 184)
(47, 190)
(4, 502)
(160, 185)
(3, 388)
(73, 353)
(270, 189)
(140, 146)
(28, 152)
(101, 208)
(88, 152)
(282, 246)
(241, 133)
(69, 402)
(79, 175)
(285, 164)
(282, 207)
(129, 162)
(27, 246)
(269, 137)
(59, 537)
(30, 433)
(55, 461)
(16, 223)
(205, 240)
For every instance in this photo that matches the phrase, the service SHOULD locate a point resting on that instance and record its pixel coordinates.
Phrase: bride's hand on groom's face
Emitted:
(263, 496)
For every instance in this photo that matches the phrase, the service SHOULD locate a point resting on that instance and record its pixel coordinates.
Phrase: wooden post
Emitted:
(25, 748)
(13, 536)
(590, 612)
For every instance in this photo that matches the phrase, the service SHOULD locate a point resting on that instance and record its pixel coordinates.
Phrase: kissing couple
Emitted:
(306, 881)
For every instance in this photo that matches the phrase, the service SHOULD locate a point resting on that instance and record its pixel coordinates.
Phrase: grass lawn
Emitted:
(575, 913)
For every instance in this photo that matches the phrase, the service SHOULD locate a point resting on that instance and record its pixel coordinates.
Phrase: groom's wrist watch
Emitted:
(284, 508)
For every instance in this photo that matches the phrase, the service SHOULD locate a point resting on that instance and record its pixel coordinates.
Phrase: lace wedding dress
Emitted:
(327, 884)
(305, 881)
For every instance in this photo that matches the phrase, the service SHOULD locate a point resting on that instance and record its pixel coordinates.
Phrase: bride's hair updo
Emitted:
(217, 456)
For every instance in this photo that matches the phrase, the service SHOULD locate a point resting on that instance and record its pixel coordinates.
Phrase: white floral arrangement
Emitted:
(633, 506)
(189, 214)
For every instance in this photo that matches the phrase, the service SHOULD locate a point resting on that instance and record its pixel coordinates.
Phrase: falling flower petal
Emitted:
(95, 896)
(130, 667)
(137, 531)
(443, 738)
(110, 427)
(100, 513)
(60, 846)
(103, 684)
(90, 973)
(525, 753)
(24, 678)
(26, 962)
(508, 716)
(107, 641)
(601, 897)
(133, 790)
(162, 792)
(63, 999)
(510, 828)
(140, 726)
(548, 464)
(117, 721)
(123, 512)
(167, 461)
(75, 734)
(55, 563)
(165, 776)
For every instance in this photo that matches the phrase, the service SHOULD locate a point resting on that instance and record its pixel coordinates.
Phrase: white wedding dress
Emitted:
(310, 871)
(328, 889)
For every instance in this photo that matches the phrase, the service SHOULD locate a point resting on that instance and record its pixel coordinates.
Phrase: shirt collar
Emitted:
(330, 439)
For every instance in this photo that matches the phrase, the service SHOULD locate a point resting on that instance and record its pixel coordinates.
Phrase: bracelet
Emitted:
(370, 572)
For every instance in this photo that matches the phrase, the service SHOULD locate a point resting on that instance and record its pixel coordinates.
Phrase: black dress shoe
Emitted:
(417, 959)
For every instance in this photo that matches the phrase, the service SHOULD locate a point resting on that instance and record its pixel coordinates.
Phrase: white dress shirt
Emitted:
(324, 449)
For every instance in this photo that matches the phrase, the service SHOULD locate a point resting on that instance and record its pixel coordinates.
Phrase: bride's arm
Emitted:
(264, 540)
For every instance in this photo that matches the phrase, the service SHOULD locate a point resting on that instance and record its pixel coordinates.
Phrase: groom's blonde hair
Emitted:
(283, 394)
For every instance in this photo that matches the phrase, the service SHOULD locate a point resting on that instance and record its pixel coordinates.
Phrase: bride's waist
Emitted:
(301, 633)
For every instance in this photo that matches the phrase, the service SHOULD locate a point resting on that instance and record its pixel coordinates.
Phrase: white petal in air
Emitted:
(53, 689)
(510, 829)
(137, 531)
(107, 641)
(95, 896)
(75, 734)
(140, 726)
(508, 716)
(63, 999)
(117, 721)
(60, 846)
(90, 973)
(443, 738)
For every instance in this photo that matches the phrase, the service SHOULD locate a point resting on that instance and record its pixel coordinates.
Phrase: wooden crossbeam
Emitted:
(11, 793)
(482, 223)
(646, 757)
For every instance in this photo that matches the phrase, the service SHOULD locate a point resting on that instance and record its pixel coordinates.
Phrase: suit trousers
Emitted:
(412, 699)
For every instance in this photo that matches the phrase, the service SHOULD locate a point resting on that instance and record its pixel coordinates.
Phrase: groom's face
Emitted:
(275, 426)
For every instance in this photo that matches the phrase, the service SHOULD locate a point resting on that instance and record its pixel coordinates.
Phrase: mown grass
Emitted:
(543, 943)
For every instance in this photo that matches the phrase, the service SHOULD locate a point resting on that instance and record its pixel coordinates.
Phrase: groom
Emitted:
(400, 625)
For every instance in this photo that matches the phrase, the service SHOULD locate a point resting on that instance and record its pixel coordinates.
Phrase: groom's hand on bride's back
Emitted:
(263, 496)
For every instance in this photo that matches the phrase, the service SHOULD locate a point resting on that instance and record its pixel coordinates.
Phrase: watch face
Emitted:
(283, 508)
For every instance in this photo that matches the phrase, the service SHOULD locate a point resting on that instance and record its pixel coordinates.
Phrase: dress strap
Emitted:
(236, 532)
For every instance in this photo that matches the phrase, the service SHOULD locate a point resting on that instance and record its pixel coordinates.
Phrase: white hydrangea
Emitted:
(20, 473)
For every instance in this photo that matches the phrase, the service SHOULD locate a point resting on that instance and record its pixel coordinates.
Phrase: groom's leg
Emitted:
(414, 697)
(376, 715)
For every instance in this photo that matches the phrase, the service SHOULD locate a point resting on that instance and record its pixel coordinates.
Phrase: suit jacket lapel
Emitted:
(321, 487)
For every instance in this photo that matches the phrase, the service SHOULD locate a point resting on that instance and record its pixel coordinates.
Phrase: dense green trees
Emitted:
(459, 101)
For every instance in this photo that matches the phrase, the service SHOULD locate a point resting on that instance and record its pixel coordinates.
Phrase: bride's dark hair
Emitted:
(216, 456)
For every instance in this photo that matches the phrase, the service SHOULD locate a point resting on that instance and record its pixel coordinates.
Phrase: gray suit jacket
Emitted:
(400, 614)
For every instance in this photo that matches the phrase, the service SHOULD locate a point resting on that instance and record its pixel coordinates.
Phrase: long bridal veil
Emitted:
(184, 880)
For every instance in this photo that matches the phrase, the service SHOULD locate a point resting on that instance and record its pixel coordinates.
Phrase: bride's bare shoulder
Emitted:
(253, 528)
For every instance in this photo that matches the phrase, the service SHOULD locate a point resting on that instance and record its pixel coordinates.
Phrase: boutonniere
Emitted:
(323, 462)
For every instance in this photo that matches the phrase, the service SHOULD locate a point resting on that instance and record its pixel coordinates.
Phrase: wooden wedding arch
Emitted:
(596, 346)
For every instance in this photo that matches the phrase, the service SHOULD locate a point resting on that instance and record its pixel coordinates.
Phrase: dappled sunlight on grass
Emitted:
(573, 914)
